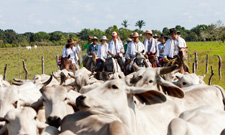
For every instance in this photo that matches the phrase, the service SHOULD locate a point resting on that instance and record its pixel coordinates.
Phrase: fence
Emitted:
(195, 66)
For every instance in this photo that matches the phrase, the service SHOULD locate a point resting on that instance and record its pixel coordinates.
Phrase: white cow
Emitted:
(82, 123)
(115, 97)
(3, 82)
(35, 46)
(28, 47)
(24, 122)
(186, 80)
(205, 120)
(58, 101)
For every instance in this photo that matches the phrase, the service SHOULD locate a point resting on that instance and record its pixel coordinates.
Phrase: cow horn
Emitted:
(72, 76)
(17, 80)
(55, 76)
(17, 83)
(166, 70)
(47, 82)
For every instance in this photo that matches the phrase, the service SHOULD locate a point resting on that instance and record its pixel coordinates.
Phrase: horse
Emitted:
(89, 62)
(67, 64)
(178, 59)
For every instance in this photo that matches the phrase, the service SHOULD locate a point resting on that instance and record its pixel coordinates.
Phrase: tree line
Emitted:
(9, 38)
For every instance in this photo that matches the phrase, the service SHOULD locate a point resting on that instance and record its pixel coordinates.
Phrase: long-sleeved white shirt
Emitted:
(127, 55)
(72, 52)
(151, 46)
(116, 48)
(103, 51)
(134, 48)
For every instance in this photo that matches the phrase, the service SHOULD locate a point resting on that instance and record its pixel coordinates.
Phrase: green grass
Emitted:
(14, 56)
(212, 49)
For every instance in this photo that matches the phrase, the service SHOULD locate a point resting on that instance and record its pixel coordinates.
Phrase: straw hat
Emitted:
(148, 32)
(135, 34)
(104, 38)
(94, 38)
(90, 37)
(70, 41)
(156, 36)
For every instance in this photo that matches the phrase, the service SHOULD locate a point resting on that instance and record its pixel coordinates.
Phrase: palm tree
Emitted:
(124, 23)
(140, 24)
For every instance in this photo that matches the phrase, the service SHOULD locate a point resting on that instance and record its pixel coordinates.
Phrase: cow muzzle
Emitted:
(54, 121)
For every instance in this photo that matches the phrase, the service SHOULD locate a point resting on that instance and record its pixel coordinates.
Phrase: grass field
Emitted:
(14, 56)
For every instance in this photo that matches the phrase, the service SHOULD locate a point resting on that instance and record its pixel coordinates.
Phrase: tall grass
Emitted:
(14, 56)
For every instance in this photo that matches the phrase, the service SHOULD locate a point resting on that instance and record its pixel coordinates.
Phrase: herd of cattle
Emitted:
(149, 101)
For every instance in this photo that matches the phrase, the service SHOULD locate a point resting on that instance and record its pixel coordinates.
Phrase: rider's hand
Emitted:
(162, 50)
(78, 42)
(156, 58)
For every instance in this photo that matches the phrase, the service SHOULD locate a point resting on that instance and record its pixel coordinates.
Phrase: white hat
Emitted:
(104, 38)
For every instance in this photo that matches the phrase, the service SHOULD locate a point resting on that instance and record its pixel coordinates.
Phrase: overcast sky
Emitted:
(74, 15)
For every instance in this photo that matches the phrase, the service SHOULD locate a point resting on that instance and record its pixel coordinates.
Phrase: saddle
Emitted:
(108, 65)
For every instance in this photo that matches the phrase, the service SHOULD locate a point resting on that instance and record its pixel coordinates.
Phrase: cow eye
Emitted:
(65, 99)
(150, 81)
(114, 87)
(184, 83)
(15, 104)
(35, 117)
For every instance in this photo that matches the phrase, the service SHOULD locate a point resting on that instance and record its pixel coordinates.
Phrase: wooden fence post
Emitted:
(220, 64)
(193, 68)
(25, 69)
(5, 69)
(207, 63)
(42, 60)
(57, 57)
(212, 73)
(196, 61)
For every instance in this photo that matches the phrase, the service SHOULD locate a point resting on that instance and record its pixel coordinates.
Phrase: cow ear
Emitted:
(170, 88)
(151, 97)
(147, 96)
(37, 105)
(3, 119)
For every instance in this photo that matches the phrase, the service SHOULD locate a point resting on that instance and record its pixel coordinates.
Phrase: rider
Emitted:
(93, 50)
(102, 52)
(116, 49)
(161, 46)
(135, 46)
(172, 44)
(88, 43)
(151, 45)
(72, 51)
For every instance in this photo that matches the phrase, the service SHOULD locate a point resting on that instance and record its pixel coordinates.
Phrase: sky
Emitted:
(75, 15)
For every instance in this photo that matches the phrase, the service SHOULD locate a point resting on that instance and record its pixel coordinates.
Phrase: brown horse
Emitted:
(179, 60)
(67, 64)
(152, 59)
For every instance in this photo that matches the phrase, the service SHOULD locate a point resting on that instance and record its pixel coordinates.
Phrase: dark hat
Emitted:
(174, 30)
(163, 36)
(155, 36)
(70, 41)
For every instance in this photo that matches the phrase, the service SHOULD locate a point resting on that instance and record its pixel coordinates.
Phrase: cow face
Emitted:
(55, 102)
(186, 80)
(116, 97)
(8, 99)
(21, 121)
(150, 78)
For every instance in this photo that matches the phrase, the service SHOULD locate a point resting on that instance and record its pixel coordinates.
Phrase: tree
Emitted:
(40, 36)
(125, 23)
(165, 30)
(140, 24)
(10, 35)
(56, 36)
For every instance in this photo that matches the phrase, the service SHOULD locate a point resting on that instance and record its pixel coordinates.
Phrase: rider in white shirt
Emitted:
(102, 53)
(116, 49)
